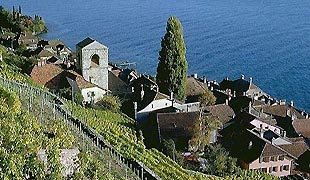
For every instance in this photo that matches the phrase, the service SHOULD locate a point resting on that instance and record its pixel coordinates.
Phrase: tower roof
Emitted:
(85, 42)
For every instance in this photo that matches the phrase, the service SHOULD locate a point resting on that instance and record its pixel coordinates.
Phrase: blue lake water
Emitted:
(264, 39)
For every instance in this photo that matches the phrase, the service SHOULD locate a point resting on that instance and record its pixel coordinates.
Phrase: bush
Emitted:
(108, 102)
(207, 98)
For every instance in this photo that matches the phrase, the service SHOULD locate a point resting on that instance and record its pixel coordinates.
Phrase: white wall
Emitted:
(154, 105)
(258, 123)
(97, 91)
(257, 165)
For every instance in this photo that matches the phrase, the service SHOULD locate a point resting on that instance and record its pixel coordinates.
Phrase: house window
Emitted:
(265, 159)
(286, 167)
(94, 60)
(281, 158)
(264, 169)
(274, 158)
(270, 169)
(281, 168)
(275, 169)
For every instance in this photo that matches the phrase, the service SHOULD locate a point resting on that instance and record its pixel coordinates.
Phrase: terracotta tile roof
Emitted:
(194, 87)
(296, 149)
(302, 126)
(48, 75)
(272, 150)
(80, 81)
(222, 111)
(281, 110)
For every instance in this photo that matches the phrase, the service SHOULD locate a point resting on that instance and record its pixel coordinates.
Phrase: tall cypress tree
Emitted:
(172, 67)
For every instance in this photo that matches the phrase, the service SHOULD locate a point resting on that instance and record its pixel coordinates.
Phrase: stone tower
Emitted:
(92, 61)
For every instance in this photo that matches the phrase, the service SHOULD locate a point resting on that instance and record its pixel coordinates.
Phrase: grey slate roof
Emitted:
(85, 42)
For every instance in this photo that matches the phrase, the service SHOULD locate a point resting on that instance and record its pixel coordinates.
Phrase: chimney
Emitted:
(211, 88)
(142, 92)
(242, 76)
(195, 75)
(307, 116)
(261, 132)
(293, 117)
(226, 102)
(284, 133)
(171, 95)
(251, 80)
(135, 107)
(204, 79)
(288, 112)
(250, 106)
(234, 95)
(292, 103)
(227, 78)
(250, 145)
(272, 140)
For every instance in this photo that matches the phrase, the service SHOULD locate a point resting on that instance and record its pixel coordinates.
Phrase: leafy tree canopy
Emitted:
(172, 67)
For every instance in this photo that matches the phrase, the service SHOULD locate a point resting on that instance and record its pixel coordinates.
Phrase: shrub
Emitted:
(108, 102)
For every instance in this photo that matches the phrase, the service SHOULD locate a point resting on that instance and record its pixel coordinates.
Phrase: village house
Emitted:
(256, 140)
(242, 87)
(220, 112)
(90, 74)
(177, 126)
(55, 78)
(286, 116)
(29, 40)
(147, 98)
(195, 87)
(120, 80)
(254, 152)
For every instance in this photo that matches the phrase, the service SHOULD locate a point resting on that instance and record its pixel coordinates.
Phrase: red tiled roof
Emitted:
(80, 81)
(48, 75)
(271, 150)
(302, 126)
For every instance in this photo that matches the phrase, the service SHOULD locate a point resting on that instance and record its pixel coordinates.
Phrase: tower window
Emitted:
(94, 60)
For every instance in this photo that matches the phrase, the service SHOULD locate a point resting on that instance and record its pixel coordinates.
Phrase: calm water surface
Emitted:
(264, 39)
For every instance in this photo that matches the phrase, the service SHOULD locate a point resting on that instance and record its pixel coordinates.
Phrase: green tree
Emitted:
(169, 148)
(207, 98)
(218, 162)
(202, 131)
(172, 67)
